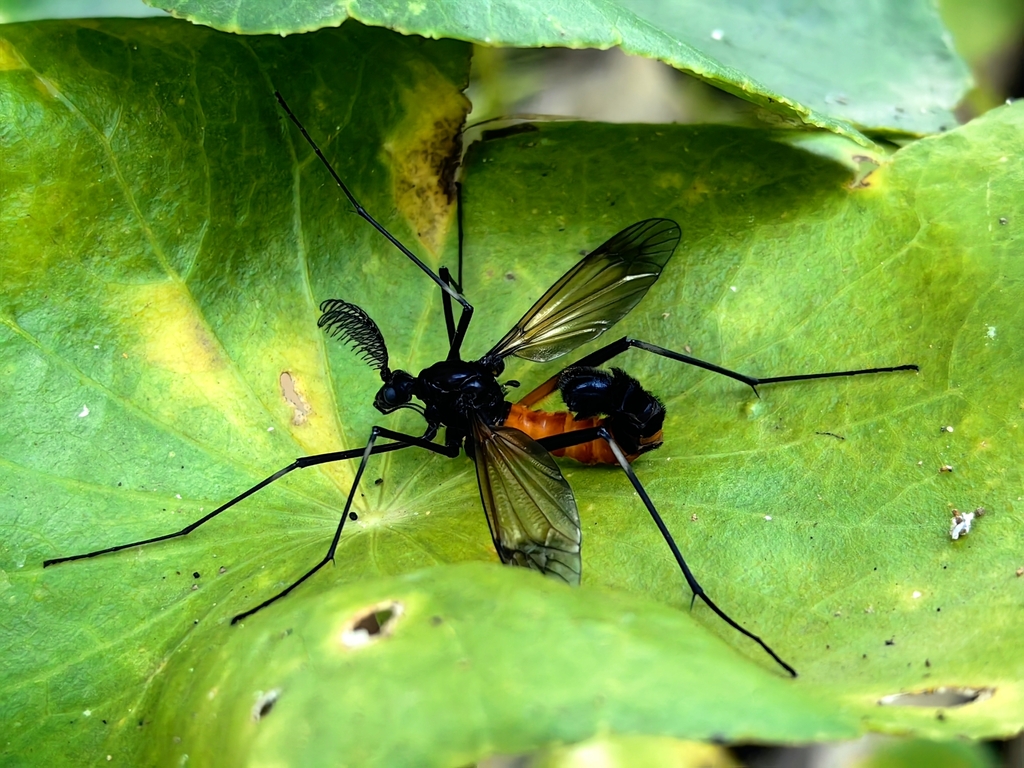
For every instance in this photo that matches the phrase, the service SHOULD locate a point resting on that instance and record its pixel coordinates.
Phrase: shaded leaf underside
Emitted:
(875, 65)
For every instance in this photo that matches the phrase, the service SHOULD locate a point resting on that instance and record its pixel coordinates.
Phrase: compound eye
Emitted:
(390, 396)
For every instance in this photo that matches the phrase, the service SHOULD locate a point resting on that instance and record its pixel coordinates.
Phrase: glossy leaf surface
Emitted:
(166, 240)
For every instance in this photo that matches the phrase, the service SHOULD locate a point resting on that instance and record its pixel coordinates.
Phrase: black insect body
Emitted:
(529, 506)
(594, 398)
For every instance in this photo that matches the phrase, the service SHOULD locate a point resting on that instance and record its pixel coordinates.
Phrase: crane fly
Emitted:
(610, 417)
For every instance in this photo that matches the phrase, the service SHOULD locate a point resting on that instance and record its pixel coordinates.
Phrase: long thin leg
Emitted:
(446, 275)
(458, 222)
(446, 302)
(300, 463)
(586, 435)
(607, 352)
(467, 309)
(455, 335)
(455, 343)
(400, 439)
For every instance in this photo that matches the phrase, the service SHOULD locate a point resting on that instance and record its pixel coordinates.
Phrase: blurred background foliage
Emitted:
(613, 87)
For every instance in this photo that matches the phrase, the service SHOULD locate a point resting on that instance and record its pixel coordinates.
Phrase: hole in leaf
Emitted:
(951, 696)
(264, 703)
(290, 391)
(371, 624)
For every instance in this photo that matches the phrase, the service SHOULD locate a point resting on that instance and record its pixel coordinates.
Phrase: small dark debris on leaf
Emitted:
(927, 663)
(509, 276)
(353, 516)
(891, 641)
(195, 574)
(264, 703)
(831, 434)
(940, 715)
(436, 621)
(378, 481)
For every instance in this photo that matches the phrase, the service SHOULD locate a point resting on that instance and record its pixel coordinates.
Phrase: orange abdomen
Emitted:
(538, 424)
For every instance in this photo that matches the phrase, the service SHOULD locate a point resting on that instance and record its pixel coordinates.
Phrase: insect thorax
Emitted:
(453, 391)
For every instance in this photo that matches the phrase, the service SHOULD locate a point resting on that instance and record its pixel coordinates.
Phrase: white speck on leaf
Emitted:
(768, 518)
(84, 412)
(991, 332)
(960, 524)
(717, 34)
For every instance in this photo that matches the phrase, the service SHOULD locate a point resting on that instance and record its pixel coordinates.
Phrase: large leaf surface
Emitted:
(453, 680)
(166, 238)
(879, 65)
(822, 507)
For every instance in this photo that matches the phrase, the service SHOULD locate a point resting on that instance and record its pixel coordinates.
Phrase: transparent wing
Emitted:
(594, 295)
(530, 507)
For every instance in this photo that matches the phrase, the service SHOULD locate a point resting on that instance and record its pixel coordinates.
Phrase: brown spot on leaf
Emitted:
(290, 391)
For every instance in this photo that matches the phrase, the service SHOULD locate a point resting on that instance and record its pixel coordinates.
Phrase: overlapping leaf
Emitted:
(877, 65)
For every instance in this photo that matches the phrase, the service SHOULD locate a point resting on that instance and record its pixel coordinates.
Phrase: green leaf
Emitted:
(880, 66)
(791, 264)
(36, 10)
(166, 239)
(476, 659)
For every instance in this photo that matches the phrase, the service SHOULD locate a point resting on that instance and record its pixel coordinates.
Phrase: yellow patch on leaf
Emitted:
(423, 153)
